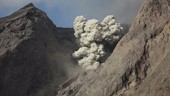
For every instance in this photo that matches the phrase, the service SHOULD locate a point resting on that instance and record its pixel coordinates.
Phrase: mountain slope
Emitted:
(33, 60)
(139, 65)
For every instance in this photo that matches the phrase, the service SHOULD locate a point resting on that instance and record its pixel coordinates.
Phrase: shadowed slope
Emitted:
(32, 59)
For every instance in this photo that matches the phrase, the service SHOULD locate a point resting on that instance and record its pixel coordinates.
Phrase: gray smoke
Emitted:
(91, 35)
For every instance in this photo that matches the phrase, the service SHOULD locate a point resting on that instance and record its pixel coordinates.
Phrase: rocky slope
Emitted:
(35, 55)
(139, 65)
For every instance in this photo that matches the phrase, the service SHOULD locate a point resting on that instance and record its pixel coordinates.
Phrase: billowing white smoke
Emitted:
(91, 35)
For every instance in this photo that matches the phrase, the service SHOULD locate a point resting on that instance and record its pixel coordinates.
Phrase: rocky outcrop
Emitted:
(139, 65)
(35, 55)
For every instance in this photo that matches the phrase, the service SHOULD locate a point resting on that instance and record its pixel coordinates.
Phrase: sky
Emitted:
(63, 12)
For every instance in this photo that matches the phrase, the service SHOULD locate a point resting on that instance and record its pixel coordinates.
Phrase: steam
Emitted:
(91, 35)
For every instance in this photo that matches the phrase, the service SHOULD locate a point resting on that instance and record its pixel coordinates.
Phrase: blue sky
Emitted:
(63, 12)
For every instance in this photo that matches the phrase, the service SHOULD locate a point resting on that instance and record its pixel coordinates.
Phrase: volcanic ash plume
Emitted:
(91, 35)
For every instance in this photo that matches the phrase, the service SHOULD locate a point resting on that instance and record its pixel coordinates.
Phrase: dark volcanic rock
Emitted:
(140, 63)
(33, 59)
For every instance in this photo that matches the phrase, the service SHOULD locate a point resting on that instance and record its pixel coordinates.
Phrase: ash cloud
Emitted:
(92, 35)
